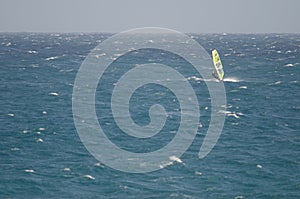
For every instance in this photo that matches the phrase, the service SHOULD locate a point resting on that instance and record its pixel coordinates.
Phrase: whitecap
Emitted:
(39, 140)
(176, 159)
(66, 70)
(67, 169)
(15, 149)
(259, 166)
(11, 114)
(8, 44)
(289, 65)
(32, 52)
(89, 177)
(25, 131)
(234, 91)
(51, 58)
(165, 164)
(275, 83)
(123, 186)
(288, 51)
(29, 170)
(113, 58)
(232, 114)
(198, 173)
(243, 87)
(226, 106)
(117, 54)
(41, 129)
(98, 164)
(34, 65)
(44, 112)
(53, 93)
(238, 197)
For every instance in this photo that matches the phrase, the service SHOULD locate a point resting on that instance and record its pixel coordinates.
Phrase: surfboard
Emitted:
(218, 64)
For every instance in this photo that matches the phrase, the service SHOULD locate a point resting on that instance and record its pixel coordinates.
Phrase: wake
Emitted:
(231, 79)
(227, 79)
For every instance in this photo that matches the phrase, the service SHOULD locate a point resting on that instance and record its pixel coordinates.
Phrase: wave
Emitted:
(232, 114)
(291, 65)
(52, 58)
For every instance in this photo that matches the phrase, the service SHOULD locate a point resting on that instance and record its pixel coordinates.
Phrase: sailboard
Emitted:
(218, 65)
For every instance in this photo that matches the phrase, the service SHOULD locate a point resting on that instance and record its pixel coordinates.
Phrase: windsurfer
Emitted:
(216, 76)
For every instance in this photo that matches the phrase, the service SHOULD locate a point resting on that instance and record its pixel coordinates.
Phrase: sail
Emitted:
(218, 64)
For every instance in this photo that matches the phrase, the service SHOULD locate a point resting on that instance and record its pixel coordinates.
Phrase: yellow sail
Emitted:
(218, 64)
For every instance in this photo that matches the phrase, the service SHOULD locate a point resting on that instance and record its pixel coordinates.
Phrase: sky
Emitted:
(189, 16)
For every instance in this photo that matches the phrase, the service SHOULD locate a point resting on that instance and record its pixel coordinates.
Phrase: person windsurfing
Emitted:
(216, 76)
(219, 72)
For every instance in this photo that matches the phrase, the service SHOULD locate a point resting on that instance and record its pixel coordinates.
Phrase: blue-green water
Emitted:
(257, 155)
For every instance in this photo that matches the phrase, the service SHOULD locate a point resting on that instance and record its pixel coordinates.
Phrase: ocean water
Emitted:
(256, 156)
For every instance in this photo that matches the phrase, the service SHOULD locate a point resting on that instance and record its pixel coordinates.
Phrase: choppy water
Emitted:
(257, 155)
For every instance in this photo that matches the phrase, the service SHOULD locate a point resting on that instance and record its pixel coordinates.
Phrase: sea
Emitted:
(257, 154)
